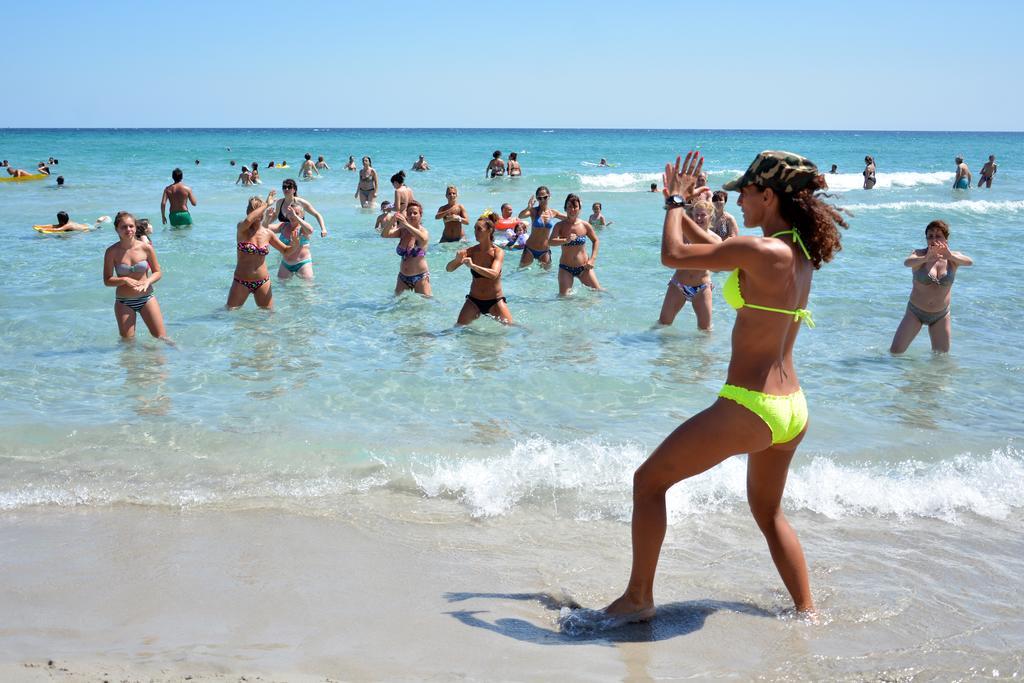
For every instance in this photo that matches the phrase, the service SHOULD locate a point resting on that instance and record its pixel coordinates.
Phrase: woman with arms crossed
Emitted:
(131, 265)
(761, 409)
(542, 222)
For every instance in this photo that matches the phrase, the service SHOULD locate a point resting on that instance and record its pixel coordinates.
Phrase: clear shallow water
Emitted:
(344, 389)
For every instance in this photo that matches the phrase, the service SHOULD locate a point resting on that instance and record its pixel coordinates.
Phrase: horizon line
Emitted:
(541, 129)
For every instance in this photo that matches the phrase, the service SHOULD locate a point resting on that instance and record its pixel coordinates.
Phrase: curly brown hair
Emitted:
(815, 221)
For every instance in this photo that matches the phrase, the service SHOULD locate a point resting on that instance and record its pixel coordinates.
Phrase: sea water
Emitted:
(346, 393)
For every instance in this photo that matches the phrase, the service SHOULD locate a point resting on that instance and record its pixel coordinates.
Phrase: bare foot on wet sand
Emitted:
(621, 612)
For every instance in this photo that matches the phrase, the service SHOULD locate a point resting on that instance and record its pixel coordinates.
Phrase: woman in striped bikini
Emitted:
(131, 265)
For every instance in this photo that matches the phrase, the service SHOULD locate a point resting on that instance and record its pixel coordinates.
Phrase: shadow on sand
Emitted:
(674, 619)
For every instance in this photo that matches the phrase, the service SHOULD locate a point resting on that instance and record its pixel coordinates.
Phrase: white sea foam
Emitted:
(618, 182)
(586, 479)
(975, 206)
(597, 478)
(885, 181)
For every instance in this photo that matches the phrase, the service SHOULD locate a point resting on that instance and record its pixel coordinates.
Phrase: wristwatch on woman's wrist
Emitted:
(675, 201)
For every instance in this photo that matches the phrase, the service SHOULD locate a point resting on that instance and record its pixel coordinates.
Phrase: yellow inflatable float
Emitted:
(34, 176)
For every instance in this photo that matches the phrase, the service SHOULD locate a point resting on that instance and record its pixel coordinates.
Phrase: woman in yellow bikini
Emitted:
(761, 409)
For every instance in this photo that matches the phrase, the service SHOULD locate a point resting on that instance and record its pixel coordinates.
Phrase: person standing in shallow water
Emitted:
(988, 172)
(869, 172)
(495, 167)
(761, 409)
(962, 179)
(366, 190)
(131, 265)
(178, 195)
(454, 216)
(484, 261)
(693, 285)
(934, 269)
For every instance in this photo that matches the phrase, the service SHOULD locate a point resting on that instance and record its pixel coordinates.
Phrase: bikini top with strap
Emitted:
(538, 223)
(125, 269)
(252, 248)
(410, 252)
(924, 277)
(303, 240)
(734, 297)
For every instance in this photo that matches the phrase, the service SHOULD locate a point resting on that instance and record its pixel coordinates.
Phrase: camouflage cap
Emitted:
(781, 171)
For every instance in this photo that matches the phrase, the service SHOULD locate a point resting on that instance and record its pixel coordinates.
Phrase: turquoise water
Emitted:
(344, 390)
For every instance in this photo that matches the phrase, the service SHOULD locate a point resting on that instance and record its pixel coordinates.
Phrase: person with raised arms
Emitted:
(692, 284)
(934, 270)
(542, 221)
(290, 188)
(301, 264)
(413, 240)
(761, 410)
(178, 195)
(484, 261)
(253, 240)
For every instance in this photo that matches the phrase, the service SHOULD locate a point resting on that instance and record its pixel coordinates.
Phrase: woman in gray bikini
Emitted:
(366, 191)
(934, 271)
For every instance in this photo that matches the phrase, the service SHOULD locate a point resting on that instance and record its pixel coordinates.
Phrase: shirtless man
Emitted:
(988, 171)
(495, 167)
(179, 195)
(17, 172)
(962, 180)
(420, 164)
(66, 225)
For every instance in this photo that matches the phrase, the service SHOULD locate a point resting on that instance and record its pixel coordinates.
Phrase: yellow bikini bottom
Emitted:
(786, 416)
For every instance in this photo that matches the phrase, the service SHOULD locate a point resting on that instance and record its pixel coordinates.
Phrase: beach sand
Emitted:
(133, 593)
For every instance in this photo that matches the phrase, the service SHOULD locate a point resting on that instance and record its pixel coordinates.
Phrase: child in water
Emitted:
(597, 219)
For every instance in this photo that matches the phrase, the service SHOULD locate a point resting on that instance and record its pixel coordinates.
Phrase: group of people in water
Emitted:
(760, 410)
(961, 179)
(281, 223)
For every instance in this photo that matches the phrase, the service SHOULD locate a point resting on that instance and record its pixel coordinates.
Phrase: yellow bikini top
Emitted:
(734, 297)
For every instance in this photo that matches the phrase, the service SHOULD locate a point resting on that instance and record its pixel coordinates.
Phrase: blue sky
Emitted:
(305, 63)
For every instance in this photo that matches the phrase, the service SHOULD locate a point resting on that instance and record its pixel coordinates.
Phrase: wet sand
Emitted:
(130, 593)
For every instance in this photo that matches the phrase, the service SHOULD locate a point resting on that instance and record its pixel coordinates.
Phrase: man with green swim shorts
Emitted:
(178, 194)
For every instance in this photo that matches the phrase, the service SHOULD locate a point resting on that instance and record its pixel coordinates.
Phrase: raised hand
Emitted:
(681, 178)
